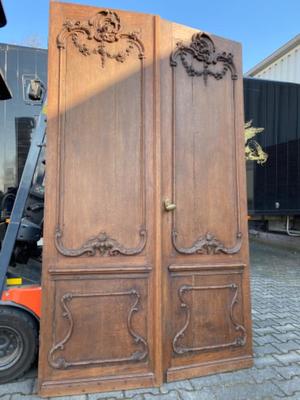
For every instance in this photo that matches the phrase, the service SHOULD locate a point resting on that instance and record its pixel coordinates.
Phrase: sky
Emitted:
(262, 26)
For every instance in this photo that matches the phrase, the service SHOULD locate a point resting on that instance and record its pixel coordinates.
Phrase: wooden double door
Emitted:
(145, 273)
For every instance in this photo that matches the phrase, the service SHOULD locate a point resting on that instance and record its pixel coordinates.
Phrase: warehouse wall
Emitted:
(286, 68)
(18, 116)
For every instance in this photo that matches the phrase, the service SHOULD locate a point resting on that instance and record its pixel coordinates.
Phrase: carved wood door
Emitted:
(136, 291)
(205, 246)
(99, 282)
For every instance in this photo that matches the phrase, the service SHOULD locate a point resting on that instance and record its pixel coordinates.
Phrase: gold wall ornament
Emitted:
(253, 149)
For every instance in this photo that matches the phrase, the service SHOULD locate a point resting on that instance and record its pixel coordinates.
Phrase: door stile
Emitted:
(157, 279)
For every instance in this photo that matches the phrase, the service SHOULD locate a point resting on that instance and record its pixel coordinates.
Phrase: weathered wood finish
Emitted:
(133, 294)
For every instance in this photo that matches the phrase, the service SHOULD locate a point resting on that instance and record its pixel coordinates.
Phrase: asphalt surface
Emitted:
(275, 285)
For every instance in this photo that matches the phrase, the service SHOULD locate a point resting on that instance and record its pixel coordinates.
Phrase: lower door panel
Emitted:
(208, 331)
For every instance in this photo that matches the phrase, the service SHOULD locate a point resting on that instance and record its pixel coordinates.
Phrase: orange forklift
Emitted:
(21, 227)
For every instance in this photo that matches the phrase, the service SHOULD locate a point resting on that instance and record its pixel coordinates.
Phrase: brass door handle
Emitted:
(169, 206)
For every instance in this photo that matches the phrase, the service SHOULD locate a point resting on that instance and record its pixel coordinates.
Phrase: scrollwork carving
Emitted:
(208, 244)
(200, 59)
(202, 49)
(97, 34)
(100, 35)
(240, 340)
(61, 363)
(101, 244)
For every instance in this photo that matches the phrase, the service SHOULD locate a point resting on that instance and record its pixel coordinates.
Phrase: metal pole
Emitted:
(23, 191)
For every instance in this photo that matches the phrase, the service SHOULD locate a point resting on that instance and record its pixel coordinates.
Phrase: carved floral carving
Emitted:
(240, 340)
(97, 36)
(61, 363)
(202, 50)
(101, 244)
(208, 244)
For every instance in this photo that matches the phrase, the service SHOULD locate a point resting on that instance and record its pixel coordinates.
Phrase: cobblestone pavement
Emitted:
(276, 323)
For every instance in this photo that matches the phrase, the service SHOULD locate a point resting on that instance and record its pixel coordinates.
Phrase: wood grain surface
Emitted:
(138, 290)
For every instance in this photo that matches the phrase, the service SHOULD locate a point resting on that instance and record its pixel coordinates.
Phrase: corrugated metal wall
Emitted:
(274, 187)
(17, 116)
(286, 68)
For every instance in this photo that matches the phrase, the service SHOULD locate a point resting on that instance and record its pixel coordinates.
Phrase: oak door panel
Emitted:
(101, 139)
(207, 323)
(99, 129)
(203, 177)
(207, 314)
(98, 324)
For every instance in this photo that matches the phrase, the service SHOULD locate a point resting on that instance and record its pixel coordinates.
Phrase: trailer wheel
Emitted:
(18, 342)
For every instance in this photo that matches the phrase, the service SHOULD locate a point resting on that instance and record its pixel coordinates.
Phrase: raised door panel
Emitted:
(98, 324)
(209, 330)
(204, 183)
(99, 321)
(203, 296)
(100, 128)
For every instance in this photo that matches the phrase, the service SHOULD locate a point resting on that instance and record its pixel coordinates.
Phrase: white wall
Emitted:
(285, 68)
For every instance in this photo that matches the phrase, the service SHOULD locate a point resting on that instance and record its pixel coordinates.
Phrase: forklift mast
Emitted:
(21, 223)
(19, 227)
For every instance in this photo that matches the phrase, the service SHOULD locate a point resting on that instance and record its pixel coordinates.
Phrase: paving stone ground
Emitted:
(275, 285)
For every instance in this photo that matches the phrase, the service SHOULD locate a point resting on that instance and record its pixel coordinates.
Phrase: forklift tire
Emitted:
(18, 342)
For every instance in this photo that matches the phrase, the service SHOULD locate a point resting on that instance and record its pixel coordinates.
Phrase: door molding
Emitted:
(240, 340)
(61, 363)
(104, 28)
(202, 50)
(101, 244)
(207, 244)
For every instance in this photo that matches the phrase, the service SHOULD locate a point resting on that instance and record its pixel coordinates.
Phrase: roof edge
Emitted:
(274, 56)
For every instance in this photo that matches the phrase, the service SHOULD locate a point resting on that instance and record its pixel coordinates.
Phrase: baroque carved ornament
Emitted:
(59, 362)
(98, 35)
(102, 244)
(239, 340)
(201, 59)
(208, 244)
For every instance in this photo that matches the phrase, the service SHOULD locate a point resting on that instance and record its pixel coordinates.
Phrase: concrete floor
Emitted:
(276, 322)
